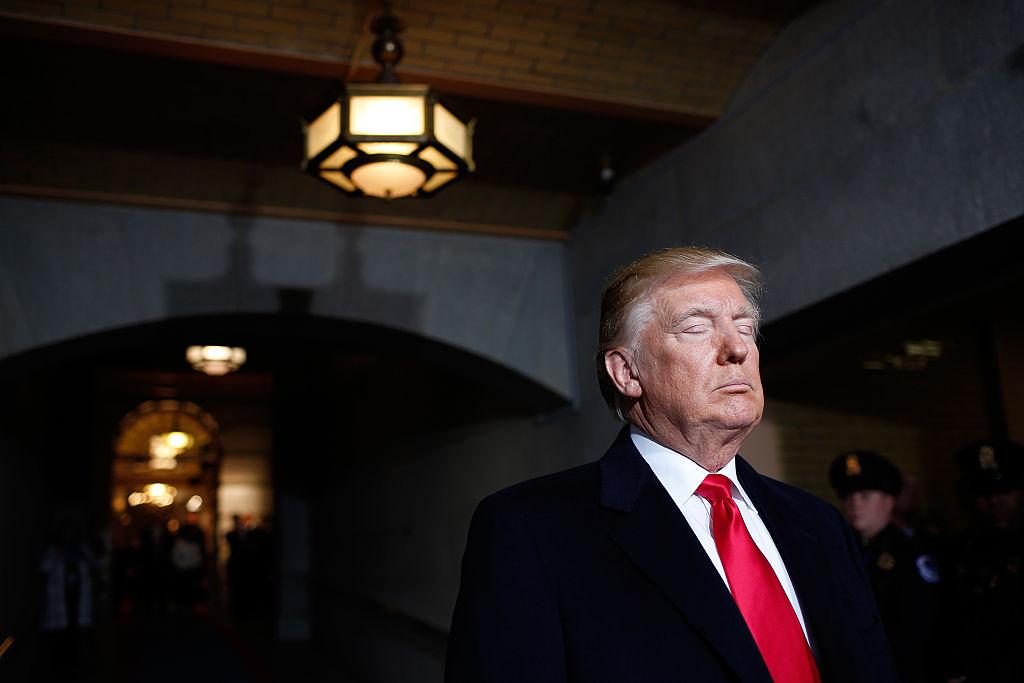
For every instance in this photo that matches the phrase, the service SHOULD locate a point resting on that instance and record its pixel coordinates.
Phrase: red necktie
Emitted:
(757, 591)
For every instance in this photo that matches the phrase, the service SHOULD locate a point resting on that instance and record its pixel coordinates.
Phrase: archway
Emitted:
(322, 398)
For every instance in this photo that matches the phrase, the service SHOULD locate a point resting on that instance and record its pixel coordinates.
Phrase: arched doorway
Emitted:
(321, 403)
(164, 481)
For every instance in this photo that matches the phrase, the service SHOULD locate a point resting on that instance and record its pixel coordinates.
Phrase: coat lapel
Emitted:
(656, 537)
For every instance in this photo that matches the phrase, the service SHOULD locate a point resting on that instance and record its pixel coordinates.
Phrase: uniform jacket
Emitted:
(904, 581)
(593, 575)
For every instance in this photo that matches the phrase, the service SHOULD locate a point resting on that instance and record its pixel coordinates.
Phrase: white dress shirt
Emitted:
(681, 476)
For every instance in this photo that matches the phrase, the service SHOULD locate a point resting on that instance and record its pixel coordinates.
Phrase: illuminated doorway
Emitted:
(164, 505)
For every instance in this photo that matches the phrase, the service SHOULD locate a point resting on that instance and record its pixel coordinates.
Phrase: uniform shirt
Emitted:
(681, 476)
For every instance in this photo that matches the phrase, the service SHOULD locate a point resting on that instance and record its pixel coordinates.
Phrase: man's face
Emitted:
(868, 511)
(698, 364)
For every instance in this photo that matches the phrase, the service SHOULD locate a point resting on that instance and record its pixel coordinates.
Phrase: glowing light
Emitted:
(928, 348)
(384, 115)
(194, 503)
(369, 152)
(215, 360)
(163, 463)
(164, 448)
(391, 179)
(173, 525)
(157, 494)
(180, 440)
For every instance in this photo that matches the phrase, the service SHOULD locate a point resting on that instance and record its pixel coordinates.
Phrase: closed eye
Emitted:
(744, 325)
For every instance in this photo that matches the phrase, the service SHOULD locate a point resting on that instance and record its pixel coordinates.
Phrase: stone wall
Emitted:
(69, 269)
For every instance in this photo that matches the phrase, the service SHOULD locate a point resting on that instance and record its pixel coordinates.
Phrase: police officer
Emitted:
(986, 579)
(902, 577)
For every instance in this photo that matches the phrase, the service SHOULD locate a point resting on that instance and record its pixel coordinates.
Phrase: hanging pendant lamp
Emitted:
(387, 139)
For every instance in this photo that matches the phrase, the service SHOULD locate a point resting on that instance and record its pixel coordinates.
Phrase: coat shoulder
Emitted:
(553, 491)
(814, 510)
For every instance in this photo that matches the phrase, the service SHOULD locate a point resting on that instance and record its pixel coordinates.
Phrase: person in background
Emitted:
(68, 570)
(987, 567)
(188, 558)
(903, 578)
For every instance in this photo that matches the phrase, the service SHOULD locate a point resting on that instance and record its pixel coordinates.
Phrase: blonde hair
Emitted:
(627, 301)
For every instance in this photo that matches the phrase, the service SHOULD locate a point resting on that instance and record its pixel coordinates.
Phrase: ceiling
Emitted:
(164, 105)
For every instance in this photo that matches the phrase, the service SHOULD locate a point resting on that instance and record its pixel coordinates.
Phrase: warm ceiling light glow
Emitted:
(163, 463)
(169, 445)
(391, 179)
(385, 139)
(180, 440)
(194, 503)
(917, 354)
(385, 115)
(160, 495)
(215, 360)
(927, 348)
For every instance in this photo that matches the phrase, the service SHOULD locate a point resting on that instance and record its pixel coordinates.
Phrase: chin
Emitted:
(741, 419)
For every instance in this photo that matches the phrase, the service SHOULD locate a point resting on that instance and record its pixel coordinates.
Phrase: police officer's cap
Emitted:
(992, 466)
(864, 471)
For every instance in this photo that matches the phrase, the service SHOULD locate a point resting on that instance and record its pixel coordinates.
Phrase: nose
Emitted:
(733, 348)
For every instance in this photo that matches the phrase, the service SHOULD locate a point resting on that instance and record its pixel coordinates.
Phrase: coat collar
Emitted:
(656, 537)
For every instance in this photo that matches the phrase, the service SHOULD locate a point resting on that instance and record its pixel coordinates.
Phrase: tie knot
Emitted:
(715, 487)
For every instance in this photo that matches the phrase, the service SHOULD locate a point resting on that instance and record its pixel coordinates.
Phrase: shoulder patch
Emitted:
(927, 569)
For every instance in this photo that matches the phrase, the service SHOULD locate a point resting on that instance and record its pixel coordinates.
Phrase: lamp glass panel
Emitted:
(338, 158)
(217, 352)
(437, 180)
(449, 131)
(388, 179)
(436, 159)
(216, 368)
(388, 147)
(386, 115)
(338, 178)
(323, 131)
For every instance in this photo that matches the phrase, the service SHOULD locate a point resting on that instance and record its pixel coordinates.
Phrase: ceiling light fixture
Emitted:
(386, 139)
(215, 360)
(165, 448)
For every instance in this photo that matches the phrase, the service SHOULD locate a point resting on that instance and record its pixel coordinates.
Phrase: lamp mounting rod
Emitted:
(387, 49)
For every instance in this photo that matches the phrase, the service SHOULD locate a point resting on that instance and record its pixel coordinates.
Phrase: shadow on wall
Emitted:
(243, 288)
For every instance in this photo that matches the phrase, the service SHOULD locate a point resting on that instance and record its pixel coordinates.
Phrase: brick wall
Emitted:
(660, 52)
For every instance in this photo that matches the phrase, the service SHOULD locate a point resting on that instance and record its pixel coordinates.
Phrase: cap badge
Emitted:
(987, 458)
(852, 465)
(886, 561)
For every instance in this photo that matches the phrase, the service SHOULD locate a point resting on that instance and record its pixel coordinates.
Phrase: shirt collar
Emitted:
(678, 473)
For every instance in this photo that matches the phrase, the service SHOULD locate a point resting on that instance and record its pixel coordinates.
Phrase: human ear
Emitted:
(619, 363)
